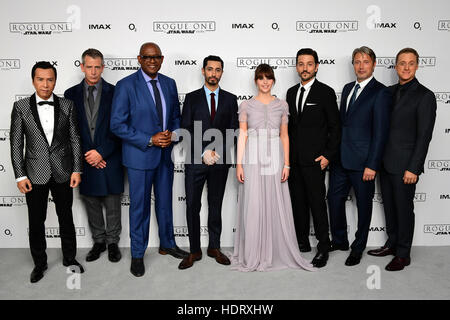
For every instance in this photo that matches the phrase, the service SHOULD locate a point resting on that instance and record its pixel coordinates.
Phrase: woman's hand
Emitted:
(284, 174)
(240, 173)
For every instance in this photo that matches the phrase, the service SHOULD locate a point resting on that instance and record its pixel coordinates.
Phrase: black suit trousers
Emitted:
(37, 200)
(216, 178)
(307, 190)
(398, 202)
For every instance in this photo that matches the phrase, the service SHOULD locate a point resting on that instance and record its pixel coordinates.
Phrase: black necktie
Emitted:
(213, 106)
(300, 100)
(91, 99)
(46, 102)
(158, 101)
(398, 94)
(355, 92)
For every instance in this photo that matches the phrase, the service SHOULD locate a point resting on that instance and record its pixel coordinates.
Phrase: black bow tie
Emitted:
(46, 102)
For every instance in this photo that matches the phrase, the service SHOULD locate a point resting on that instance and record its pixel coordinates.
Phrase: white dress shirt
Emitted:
(362, 85)
(305, 94)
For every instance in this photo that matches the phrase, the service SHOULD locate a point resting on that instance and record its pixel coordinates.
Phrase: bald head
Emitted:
(149, 45)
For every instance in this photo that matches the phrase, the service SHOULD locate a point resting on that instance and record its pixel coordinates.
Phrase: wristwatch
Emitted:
(150, 143)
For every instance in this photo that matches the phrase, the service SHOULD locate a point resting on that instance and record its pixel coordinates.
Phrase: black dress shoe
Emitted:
(398, 264)
(219, 256)
(341, 247)
(381, 252)
(114, 254)
(174, 252)
(304, 247)
(95, 252)
(189, 261)
(353, 259)
(37, 273)
(320, 260)
(76, 267)
(137, 267)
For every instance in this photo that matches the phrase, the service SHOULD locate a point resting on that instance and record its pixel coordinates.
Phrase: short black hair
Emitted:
(42, 65)
(93, 53)
(212, 58)
(309, 52)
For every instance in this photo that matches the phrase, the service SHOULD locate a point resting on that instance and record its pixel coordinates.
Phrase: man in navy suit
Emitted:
(365, 109)
(145, 112)
(102, 182)
(210, 110)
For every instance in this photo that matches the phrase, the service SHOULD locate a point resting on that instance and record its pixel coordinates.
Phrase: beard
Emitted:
(308, 75)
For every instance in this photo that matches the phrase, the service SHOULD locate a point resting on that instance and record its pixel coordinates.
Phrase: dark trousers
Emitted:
(398, 202)
(307, 190)
(102, 232)
(37, 200)
(341, 180)
(216, 178)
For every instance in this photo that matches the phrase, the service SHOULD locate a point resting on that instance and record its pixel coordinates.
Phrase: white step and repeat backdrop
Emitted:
(244, 34)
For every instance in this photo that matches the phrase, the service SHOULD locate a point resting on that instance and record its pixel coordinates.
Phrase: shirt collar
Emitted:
(408, 84)
(97, 85)
(208, 92)
(362, 84)
(308, 85)
(147, 77)
(39, 99)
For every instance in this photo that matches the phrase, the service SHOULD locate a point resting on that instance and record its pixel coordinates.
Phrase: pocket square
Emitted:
(312, 104)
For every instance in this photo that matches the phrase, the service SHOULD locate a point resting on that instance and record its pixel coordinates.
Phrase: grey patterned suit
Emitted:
(43, 160)
(49, 166)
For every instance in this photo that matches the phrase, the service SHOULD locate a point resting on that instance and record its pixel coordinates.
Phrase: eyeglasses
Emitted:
(151, 57)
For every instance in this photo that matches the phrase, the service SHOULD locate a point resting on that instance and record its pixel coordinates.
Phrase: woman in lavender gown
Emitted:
(265, 236)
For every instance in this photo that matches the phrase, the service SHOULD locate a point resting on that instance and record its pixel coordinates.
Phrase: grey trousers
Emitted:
(94, 207)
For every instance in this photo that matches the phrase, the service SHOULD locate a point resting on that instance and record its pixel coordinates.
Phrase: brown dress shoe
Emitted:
(381, 252)
(219, 256)
(398, 264)
(189, 261)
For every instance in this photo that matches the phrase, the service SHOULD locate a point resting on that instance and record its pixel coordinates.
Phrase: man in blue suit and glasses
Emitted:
(145, 113)
(365, 110)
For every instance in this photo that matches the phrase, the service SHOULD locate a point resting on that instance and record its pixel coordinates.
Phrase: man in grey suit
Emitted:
(102, 182)
(47, 124)
(412, 122)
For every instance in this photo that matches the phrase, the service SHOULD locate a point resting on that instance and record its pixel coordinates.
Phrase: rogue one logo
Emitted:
(9, 64)
(443, 97)
(12, 201)
(4, 134)
(274, 62)
(441, 165)
(389, 62)
(40, 28)
(327, 26)
(444, 25)
(118, 64)
(437, 229)
(184, 27)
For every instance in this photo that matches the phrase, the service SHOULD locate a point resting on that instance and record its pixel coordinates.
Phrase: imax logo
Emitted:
(243, 26)
(444, 25)
(383, 25)
(40, 28)
(377, 229)
(445, 197)
(12, 201)
(327, 61)
(274, 62)
(327, 26)
(185, 62)
(443, 97)
(446, 130)
(441, 165)
(4, 134)
(244, 97)
(389, 62)
(9, 64)
(99, 27)
(183, 27)
(437, 229)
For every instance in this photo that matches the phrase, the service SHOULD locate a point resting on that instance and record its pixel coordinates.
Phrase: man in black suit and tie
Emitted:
(314, 135)
(102, 182)
(211, 112)
(365, 108)
(52, 162)
(412, 122)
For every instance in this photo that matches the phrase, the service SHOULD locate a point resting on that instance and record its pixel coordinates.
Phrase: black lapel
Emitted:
(34, 111)
(362, 96)
(293, 101)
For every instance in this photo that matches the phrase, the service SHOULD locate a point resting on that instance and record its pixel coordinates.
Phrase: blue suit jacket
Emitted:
(365, 126)
(135, 120)
(98, 182)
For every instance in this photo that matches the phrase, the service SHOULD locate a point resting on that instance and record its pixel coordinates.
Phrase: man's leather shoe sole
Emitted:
(320, 260)
(174, 252)
(340, 247)
(381, 252)
(37, 273)
(219, 256)
(189, 261)
(78, 268)
(95, 252)
(353, 260)
(114, 254)
(137, 267)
